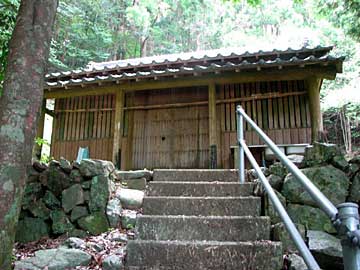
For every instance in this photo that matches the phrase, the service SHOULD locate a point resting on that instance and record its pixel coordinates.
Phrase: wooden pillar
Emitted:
(119, 112)
(130, 136)
(313, 88)
(212, 126)
(40, 131)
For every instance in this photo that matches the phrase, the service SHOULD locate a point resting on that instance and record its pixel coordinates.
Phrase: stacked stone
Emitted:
(74, 199)
(336, 177)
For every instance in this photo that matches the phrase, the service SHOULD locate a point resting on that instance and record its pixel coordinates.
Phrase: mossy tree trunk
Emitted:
(19, 109)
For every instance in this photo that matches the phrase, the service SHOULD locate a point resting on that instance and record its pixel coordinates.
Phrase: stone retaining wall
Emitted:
(78, 199)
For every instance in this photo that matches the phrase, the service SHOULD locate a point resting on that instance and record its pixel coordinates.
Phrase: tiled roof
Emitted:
(188, 64)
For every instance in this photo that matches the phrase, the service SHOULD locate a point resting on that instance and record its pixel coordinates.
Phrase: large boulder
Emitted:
(340, 162)
(94, 167)
(95, 224)
(281, 234)
(38, 209)
(99, 193)
(51, 201)
(320, 153)
(113, 262)
(31, 229)
(54, 259)
(60, 222)
(327, 178)
(296, 262)
(113, 212)
(326, 250)
(354, 194)
(32, 193)
(56, 180)
(312, 218)
(270, 209)
(278, 169)
(79, 212)
(65, 165)
(275, 181)
(72, 197)
(130, 198)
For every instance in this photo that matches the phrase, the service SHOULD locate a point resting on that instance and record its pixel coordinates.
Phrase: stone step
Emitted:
(211, 255)
(187, 228)
(171, 175)
(195, 189)
(202, 206)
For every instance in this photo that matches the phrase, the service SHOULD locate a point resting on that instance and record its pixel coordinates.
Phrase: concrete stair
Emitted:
(202, 219)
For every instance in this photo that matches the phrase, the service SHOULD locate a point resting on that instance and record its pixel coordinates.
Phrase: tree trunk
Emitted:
(20, 105)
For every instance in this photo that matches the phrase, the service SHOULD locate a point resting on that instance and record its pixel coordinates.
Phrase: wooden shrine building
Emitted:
(169, 111)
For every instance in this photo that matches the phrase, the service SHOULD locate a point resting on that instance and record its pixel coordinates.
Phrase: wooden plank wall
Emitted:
(280, 108)
(83, 121)
(170, 137)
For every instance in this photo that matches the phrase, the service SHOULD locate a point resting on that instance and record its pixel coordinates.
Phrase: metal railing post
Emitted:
(240, 135)
(349, 234)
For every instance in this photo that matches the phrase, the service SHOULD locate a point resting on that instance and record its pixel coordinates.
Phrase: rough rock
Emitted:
(270, 210)
(113, 212)
(139, 183)
(354, 194)
(39, 166)
(50, 200)
(61, 224)
(252, 174)
(72, 197)
(32, 175)
(56, 180)
(275, 181)
(258, 188)
(118, 237)
(99, 193)
(281, 234)
(297, 262)
(78, 212)
(355, 159)
(31, 229)
(54, 259)
(74, 242)
(86, 184)
(312, 218)
(320, 153)
(76, 176)
(326, 178)
(65, 165)
(128, 219)
(340, 162)
(78, 233)
(94, 167)
(95, 224)
(112, 262)
(298, 160)
(326, 250)
(353, 168)
(32, 193)
(126, 175)
(278, 169)
(130, 198)
(38, 209)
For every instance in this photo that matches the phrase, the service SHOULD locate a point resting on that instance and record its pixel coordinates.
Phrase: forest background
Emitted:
(104, 30)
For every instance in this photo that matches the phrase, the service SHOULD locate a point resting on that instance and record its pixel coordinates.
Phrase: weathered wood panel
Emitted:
(171, 137)
(83, 122)
(281, 108)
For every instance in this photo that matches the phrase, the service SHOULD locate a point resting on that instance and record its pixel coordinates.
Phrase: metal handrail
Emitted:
(346, 222)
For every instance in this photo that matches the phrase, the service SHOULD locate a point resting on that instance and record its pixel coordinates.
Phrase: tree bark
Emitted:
(20, 106)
